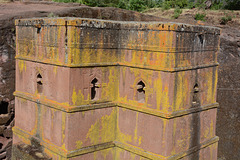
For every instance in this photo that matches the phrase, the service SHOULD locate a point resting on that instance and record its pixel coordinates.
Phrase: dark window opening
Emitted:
(94, 89)
(39, 83)
(38, 30)
(141, 92)
(38, 26)
(4, 107)
(195, 94)
(200, 37)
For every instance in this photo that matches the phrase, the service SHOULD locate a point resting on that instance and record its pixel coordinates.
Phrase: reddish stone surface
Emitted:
(112, 87)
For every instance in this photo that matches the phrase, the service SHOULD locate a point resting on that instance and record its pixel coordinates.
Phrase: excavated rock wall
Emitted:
(228, 117)
(7, 83)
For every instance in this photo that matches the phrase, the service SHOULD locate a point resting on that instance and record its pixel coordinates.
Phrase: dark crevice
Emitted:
(200, 37)
(4, 107)
(38, 30)
(195, 136)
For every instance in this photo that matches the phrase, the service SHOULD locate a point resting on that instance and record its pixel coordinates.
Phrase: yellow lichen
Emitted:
(79, 144)
(63, 126)
(121, 137)
(55, 70)
(74, 97)
(139, 140)
(21, 65)
(103, 129)
(136, 127)
(94, 133)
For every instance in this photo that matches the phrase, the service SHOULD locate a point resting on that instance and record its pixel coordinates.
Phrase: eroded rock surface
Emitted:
(228, 118)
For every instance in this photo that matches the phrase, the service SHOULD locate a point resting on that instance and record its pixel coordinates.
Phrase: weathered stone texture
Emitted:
(228, 119)
(7, 86)
(118, 89)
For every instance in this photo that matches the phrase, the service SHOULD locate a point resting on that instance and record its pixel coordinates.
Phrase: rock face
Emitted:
(7, 83)
(228, 118)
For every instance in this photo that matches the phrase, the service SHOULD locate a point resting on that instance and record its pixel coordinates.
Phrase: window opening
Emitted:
(200, 37)
(141, 92)
(94, 89)
(38, 26)
(195, 94)
(39, 83)
(38, 30)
